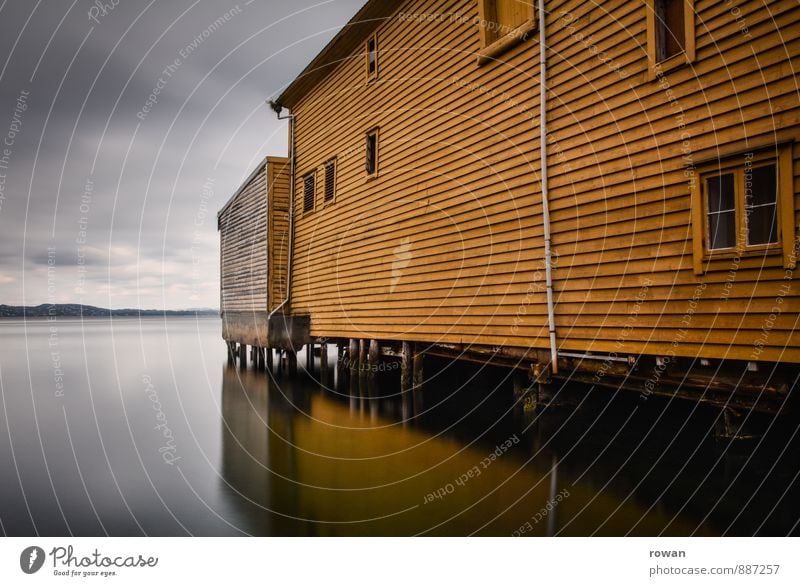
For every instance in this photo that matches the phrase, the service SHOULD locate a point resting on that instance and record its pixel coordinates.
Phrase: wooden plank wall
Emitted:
(446, 244)
(279, 175)
(243, 239)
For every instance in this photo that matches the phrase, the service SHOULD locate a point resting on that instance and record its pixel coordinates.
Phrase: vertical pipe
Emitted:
(548, 257)
(290, 253)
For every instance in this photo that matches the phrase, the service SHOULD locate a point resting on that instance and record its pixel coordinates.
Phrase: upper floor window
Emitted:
(372, 58)
(371, 163)
(330, 180)
(745, 205)
(503, 24)
(670, 32)
(309, 184)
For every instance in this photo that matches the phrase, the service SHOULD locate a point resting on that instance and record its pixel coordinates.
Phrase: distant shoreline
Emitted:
(46, 311)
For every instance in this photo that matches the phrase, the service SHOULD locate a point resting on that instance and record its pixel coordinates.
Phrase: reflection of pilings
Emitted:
(551, 518)
(243, 356)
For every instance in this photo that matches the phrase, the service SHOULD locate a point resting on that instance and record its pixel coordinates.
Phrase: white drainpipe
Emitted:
(290, 256)
(548, 257)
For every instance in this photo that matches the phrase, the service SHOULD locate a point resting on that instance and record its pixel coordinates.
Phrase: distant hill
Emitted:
(75, 310)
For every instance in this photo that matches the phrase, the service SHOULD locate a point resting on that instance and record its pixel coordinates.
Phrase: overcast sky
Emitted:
(109, 200)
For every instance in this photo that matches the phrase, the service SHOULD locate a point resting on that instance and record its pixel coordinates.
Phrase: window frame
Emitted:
(371, 75)
(313, 174)
(781, 156)
(686, 56)
(492, 47)
(325, 199)
(376, 131)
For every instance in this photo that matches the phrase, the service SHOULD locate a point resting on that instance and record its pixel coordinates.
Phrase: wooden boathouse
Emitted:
(605, 193)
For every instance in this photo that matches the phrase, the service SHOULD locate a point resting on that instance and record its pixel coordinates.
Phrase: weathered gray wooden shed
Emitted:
(254, 245)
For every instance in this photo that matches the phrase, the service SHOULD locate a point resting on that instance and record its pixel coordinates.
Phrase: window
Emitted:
(670, 33)
(744, 205)
(309, 183)
(372, 58)
(330, 180)
(371, 163)
(503, 24)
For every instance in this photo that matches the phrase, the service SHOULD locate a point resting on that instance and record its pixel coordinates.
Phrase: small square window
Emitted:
(371, 163)
(330, 180)
(309, 183)
(744, 205)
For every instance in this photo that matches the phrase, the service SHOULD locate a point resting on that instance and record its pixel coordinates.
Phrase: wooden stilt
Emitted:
(362, 357)
(419, 379)
(352, 357)
(269, 358)
(310, 359)
(407, 367)
(243, 356)
(373, 358)
(231, 353)
(323, 363)
(291, 362)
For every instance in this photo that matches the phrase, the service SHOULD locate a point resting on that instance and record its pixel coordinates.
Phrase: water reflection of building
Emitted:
(324, 468)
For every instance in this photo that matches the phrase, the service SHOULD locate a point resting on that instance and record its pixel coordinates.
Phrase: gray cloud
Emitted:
(116, 198)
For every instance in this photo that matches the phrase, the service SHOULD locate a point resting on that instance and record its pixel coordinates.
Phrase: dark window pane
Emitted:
(372, 57)
(372, 140)
(761, 186)
(721, 196)
(762, 225)
(722, 230)
(670, 28)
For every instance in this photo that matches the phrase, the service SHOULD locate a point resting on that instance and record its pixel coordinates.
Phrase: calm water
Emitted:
(130, 427)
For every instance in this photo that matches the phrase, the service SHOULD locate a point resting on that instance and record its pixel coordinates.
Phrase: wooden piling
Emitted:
(268, 356)
(373, 358)
(323, 363)
(407, 366)
(231, 353)
(352, 356)
(419, 379)
(310, 359)
(243, 356)
(291, 362)
(362, 357)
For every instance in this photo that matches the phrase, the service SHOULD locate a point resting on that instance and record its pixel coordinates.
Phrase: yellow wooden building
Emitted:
(606, 192)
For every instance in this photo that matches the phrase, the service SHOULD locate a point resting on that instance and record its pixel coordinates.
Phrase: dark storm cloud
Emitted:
(113, 195)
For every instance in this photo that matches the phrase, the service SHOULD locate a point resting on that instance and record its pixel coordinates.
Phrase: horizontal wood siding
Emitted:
(619, 187)
(446, 243)
(243, 238)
